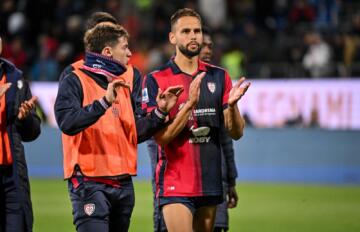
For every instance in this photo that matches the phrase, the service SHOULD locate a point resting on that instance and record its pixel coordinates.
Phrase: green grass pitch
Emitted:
(262, 207)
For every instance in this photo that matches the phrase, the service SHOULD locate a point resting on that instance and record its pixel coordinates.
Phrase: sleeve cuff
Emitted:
(104, 103)
(160, 114)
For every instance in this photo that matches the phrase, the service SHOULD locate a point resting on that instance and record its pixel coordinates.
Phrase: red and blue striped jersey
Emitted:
(190, 165)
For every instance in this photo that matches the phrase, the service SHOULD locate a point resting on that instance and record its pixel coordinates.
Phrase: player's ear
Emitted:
(172, 38)
(107, 51)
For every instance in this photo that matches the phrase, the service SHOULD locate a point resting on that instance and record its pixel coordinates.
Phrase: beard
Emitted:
(188, 53)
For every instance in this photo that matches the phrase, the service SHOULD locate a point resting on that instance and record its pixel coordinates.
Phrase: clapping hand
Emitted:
(26, 107)
(238, 91)
(167, 99)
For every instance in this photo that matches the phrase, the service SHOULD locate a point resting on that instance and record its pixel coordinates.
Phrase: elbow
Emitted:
(31, 136)
(161, 140)
(67, 129)
(237, 135)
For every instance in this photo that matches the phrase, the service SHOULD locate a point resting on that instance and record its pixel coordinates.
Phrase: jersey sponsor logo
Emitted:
(205, 112)
(199, 139)
(145, 95)
(89, 208)
(200, 135)
(211, 86)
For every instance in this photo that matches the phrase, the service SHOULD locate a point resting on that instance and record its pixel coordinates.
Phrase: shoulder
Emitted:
(213, 69)
(136, 71)
(10, 68)
(70, 80)
(160, 71)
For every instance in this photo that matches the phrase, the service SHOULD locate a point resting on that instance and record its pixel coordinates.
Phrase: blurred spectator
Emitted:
(266, 33)
(317, 59)
(46, 68)
(214, 12)
(233, 61)
(15, 52)
(302, 12)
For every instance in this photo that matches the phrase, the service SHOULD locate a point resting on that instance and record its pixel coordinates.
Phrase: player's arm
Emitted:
(177, 124)
(234, 122)
(71, 116)
(27, 122)
(148, 124)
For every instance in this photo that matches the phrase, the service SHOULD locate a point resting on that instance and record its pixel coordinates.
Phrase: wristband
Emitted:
(104, 103)
(160, 114)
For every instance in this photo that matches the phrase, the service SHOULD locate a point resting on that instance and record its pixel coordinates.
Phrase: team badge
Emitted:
(20, 84)
(89, 208)
(211, 86)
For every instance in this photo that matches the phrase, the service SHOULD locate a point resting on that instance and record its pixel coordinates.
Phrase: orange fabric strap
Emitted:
(5, 151)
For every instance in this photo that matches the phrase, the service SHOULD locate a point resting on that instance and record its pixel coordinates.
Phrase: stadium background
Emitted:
(299, 162)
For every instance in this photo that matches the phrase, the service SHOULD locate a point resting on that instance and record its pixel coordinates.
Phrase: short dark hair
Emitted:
(206, 30)
(182, 13)
(99, 17)
(103, 35)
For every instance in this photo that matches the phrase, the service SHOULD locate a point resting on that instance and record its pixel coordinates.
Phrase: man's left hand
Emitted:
(232, 197)
(237, 92)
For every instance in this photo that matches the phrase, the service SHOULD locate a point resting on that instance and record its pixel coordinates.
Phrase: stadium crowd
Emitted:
(256, 38)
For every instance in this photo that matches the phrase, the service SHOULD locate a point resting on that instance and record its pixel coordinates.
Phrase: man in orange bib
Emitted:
(95, 110)
(18, 122)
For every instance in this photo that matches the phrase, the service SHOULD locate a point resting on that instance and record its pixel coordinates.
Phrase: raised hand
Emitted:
(26, 107)
(111, 94)
(238, 91)
(194, 89)
(167, 99)
(4, 88)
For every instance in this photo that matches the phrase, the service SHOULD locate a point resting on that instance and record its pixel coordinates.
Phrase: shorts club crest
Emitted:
(89, 208)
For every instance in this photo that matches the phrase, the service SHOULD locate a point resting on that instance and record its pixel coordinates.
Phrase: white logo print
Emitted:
(201, 134)
(89, 208)
(20, 84)
(145, 95)
(211, 86)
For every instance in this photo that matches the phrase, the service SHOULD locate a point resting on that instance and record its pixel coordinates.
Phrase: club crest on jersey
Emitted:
(211, 86)
(89, 208)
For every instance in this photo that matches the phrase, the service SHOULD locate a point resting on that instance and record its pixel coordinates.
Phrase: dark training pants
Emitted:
(101, 207)
(11, 214)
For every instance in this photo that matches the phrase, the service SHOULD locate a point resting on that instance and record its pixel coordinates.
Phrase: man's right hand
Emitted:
(194, 90)
(112, 88)
(4, 88)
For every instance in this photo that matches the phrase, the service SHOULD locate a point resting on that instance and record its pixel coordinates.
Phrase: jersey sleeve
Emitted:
(227, 88)
(149, 93)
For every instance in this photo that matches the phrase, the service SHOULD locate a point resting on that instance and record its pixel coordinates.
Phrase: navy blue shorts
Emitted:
(193, 203)
(101, 207)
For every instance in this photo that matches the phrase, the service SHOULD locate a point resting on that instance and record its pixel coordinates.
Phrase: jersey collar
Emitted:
(176, 70)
